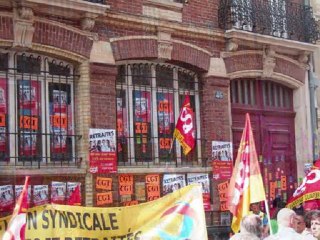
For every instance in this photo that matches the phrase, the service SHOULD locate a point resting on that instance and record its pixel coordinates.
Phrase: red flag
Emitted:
(246, 184)
(309, 190)
(185, 131)
(17, 225)
(75, 197)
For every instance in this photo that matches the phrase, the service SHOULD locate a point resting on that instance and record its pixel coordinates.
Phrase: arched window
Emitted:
(149, 97)
(36, 110)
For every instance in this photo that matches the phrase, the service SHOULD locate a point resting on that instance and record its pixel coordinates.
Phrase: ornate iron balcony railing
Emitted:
(278, 18)
(96, 1)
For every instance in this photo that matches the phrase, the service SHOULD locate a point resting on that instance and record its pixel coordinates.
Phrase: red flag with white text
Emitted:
(17, 224)
(185, 130)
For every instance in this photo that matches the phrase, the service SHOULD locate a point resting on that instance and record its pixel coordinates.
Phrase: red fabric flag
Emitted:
(246, 184)
(17, 225)
(185, 131)
(308, 193)
(75, 197)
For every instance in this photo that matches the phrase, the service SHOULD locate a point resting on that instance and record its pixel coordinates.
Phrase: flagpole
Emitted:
(268, 215)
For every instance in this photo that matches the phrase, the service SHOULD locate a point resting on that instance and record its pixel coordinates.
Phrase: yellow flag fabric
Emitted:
(246, 185)
(179, 215)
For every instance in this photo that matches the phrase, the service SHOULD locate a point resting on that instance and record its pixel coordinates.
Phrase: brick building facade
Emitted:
(100, 53)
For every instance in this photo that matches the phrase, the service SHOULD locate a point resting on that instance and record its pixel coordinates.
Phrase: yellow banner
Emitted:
(179, 215)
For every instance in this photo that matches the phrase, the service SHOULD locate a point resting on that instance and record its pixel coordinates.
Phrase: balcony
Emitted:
(277, 18)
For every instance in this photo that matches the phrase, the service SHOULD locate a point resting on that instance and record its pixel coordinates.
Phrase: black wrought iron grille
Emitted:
(278, 18)
(96, 1)
(149, 98)
(36, 112)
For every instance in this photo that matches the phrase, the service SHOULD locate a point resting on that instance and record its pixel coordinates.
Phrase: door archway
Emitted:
(270, 106)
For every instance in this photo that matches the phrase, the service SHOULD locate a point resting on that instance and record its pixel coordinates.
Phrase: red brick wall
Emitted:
(135, 49)
(103, 96)
(127, 6)
(6, 28)
(290, 69)
(243, 62)
(56, 36)
(215, 116)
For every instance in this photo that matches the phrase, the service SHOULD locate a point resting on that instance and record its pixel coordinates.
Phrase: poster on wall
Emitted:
(18, 190)
(203, 180)
(58, 192)
(40, 195)
(221, 160)
(3, 114)
(173, 182)
(29, 111)
(6, 198)
(153, 186)
(102, 156)
(73, 193)
(60, 120)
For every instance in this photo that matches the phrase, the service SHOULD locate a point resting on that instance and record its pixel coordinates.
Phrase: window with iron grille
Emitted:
(149, 97)
(36, 110)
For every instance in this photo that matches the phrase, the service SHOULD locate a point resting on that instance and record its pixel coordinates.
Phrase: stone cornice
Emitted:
(151, 25)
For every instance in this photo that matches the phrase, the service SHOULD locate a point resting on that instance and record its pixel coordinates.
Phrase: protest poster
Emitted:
(181, 210)
(40, 195)
(103, 183)
(18, 190)
(203, 180)
(140, 191)
(102, 156)
(71, 190)
(104, 198)
(221, 160)
(29, 112)
(58, 192)
(223, 191)
(3, 114)
(125, 184)
(173, 182)
(153, 186)
(6, 198)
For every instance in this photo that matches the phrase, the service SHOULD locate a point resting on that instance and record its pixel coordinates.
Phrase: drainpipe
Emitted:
(313, 84)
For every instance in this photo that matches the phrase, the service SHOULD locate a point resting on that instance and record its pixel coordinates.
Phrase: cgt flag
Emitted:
(184, 131)
(308, 193)
(246, 184)
(17, 224)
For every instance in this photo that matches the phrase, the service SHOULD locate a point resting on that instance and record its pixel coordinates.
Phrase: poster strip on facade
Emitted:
(203, 180)
(103, 157)
(221, 160)
(179, 215)
(173, 182)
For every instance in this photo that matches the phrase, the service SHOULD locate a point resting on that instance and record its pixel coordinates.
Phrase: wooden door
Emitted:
(272, 120)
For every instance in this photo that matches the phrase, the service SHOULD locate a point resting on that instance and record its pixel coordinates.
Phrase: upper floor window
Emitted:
(36, 110)
(149, 97)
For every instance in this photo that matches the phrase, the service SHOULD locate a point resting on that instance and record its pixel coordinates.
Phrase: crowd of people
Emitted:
(286, 224)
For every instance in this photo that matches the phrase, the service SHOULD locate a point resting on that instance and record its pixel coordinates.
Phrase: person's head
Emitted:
(285, 217)
(255, 207)
(299, 224)
(251, 224)
(307, 219)
(315, 223)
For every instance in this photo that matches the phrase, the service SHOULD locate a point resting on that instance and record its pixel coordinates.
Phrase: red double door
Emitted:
(273, 131)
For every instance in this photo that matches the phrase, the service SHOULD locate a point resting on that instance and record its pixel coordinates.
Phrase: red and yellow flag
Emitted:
(246, 184)
(17, 225)
(185, 131)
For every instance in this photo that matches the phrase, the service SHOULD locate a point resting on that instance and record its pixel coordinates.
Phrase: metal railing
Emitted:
(96, 1)
(278, 18)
